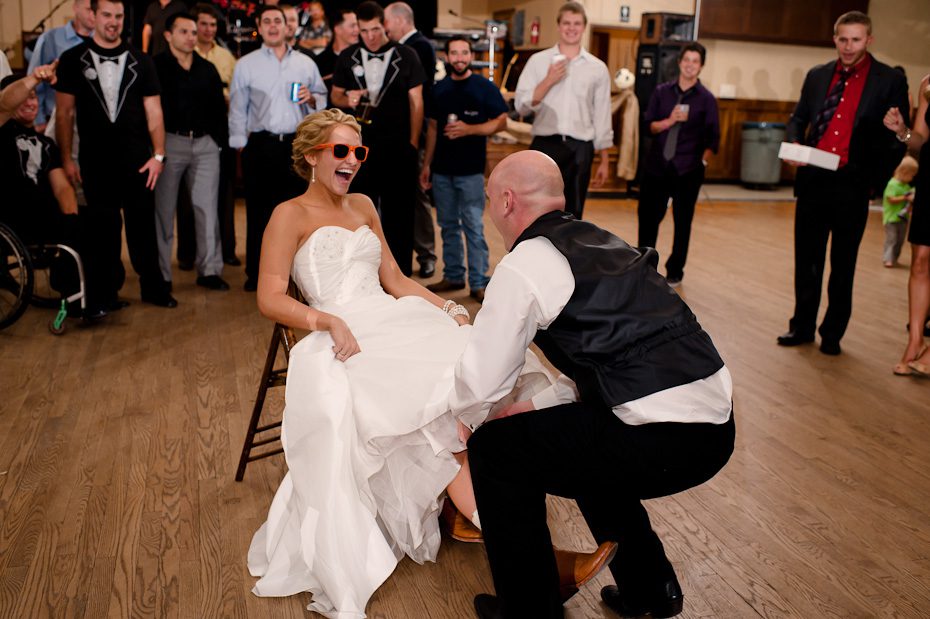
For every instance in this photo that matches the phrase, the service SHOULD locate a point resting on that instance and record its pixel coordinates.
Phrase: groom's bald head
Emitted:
(521, 188)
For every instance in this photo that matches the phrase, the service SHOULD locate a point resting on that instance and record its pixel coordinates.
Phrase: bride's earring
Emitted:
(312, 175)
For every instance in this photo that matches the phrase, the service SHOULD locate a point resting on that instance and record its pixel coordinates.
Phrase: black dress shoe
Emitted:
(250, 285)
(445, 285)
(90, 314)
(830, 347)
(233, 262)
(161, 300)
(794, 339)
(213, 282)
(427, 271)
(665, 601)
(488, 606)
(116, 305)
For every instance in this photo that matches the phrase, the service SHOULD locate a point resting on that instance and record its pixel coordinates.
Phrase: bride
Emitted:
(369, 442)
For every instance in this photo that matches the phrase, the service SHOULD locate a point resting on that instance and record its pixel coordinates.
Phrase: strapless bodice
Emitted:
(337, 265)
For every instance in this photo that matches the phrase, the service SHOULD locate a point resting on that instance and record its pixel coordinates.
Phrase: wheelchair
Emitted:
(24, 280)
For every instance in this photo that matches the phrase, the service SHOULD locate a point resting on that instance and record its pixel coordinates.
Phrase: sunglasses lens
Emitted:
(361, 153)
(340, 151)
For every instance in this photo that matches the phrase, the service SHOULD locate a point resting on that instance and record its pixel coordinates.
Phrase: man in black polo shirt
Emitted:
(195, 126)
(114, 90)
(388, 79)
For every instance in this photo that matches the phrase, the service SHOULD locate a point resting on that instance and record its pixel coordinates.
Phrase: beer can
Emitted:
(295, 91)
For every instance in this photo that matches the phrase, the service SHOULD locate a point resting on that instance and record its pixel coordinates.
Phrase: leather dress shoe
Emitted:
(791, 338)
(116, 305)
(830, 347)
(457, 525)
(232, 261)
(666, 600)
(577, 568)
(161, 300)
(477, 294)
(427, 271)
(445, 285)
(488, 606)
(213, 282)
(250, 285)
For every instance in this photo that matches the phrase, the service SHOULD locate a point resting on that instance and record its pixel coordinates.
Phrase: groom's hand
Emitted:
(516, 408)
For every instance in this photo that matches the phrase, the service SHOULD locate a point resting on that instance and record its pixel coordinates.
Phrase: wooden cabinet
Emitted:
(796, 22)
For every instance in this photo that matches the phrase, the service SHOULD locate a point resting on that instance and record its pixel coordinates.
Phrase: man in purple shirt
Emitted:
(682, 115)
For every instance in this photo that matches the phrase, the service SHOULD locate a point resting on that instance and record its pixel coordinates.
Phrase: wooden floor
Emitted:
(118, 446)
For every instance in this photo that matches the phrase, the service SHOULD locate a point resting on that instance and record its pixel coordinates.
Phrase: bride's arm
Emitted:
(394, 282)
(279, 244)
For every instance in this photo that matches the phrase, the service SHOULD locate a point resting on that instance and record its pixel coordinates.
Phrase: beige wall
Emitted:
(19, 15)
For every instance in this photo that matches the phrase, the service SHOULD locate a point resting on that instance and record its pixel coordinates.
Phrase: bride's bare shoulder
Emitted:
(361, 205)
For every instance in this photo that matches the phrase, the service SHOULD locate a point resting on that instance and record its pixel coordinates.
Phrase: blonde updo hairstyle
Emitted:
(314, 130)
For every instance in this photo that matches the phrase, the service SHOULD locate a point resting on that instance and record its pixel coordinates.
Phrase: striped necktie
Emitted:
(829, 107)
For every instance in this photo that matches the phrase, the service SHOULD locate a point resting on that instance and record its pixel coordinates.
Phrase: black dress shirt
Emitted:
(192, 100)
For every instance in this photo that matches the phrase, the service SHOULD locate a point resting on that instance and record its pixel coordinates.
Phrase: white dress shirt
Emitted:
(578, 106)
(259, 96)
(530, 287)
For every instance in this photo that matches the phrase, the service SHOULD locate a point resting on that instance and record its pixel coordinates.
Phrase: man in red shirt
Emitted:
(840, 111)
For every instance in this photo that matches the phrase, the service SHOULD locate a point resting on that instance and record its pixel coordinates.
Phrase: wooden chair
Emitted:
(281, 336)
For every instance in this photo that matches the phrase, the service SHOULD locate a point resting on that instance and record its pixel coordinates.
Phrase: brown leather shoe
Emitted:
(457, 525)
(577, 568)
(477, 294)
(445, 285)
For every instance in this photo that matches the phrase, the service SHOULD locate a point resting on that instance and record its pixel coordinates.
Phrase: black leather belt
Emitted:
(189, 134)
(561, 138)
(280, 137)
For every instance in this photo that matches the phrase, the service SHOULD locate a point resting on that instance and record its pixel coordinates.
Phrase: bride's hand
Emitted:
(462, 320)
(344, 344)
(464, 433)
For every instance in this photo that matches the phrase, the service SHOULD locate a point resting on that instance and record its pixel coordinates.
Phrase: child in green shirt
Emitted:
(896, 206)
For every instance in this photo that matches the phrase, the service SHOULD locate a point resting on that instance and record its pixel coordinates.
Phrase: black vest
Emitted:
(624, 333)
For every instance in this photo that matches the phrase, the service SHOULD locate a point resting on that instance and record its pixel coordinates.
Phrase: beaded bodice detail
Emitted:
(336, 265)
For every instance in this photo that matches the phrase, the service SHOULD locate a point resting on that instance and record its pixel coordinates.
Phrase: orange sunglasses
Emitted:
(341, 151)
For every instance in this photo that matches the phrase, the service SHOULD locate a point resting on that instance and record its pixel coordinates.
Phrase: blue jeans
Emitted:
(459, 207)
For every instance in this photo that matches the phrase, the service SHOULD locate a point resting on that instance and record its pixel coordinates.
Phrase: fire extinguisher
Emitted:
(534, 31)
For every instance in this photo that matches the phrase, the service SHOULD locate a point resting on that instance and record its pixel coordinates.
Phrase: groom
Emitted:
(643, 410)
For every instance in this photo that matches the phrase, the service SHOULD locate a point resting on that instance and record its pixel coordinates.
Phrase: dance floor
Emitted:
(119, 443)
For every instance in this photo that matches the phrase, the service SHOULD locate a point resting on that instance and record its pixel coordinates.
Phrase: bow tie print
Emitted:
(113, 59)
(380, 56)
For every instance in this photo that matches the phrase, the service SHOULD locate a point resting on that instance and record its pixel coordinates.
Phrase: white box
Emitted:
(811, 156)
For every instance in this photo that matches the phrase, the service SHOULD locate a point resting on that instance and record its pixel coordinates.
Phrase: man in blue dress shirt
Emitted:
(263, 120)
(50, 47)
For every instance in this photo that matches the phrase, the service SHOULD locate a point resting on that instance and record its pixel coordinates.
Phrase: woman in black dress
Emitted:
(916, 359)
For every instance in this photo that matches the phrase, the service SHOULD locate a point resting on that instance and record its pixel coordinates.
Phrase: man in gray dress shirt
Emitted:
(568, 90)
(262, 122)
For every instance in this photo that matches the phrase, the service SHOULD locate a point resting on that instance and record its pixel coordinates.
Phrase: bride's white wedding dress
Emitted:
(368, 442)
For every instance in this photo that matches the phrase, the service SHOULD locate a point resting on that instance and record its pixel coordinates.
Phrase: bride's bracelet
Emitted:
(454, 309)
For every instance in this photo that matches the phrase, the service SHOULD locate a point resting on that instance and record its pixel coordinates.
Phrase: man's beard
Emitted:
(462, 72)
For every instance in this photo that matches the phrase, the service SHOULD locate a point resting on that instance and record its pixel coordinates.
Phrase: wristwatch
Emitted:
(906, 138)
(159, 157)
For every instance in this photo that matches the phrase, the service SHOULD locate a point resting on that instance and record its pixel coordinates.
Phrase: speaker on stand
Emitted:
(661, 37)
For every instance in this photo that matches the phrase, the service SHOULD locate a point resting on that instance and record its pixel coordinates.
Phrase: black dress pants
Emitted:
(653, 202)
(269, 181)
(574, 158)
(389, 178)
(829, 203)
(586, 453)
(115, 189)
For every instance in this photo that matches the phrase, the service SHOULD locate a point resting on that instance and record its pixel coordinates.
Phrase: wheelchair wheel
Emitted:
(15, 277)
(43, 295)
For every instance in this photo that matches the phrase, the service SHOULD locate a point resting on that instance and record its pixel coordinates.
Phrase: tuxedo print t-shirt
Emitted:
(26, 159)
(109, 86)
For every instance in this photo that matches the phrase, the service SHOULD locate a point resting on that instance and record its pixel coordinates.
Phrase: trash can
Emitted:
(759, 163)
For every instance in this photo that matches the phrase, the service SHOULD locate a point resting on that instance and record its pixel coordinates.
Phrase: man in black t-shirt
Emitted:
(113, 89)
(385, 80)
(39, 203)
(466, 108)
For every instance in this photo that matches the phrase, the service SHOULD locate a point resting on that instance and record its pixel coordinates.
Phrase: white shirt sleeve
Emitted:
(533, 73)
(239, 106)
(603, 127)
(529, 289)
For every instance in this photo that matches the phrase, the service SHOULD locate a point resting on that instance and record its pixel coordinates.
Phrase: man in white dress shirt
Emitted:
(643, 407)
(263, 120)
(568, 90)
